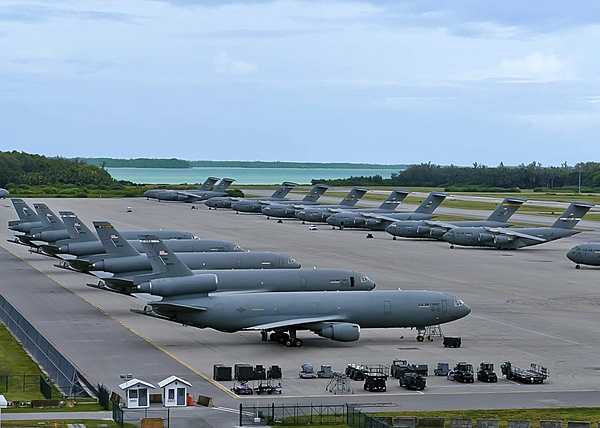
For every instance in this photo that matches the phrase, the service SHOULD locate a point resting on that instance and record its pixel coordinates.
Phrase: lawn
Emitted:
(14, 361)
(89, 423)
(589, 414)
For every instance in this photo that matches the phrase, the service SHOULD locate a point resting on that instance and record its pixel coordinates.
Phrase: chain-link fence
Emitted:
(292, 414)
(26, 384)
(59, 370)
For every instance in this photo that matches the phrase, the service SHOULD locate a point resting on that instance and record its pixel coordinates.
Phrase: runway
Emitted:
(528, 306)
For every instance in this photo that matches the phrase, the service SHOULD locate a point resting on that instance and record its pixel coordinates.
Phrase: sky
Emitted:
(388, 81)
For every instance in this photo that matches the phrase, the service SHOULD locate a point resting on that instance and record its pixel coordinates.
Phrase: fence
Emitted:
(25, 384)
(122, 415)
(60, 370)
(292, 414)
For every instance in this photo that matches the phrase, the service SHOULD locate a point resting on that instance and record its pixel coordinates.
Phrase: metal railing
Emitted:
(318, 414)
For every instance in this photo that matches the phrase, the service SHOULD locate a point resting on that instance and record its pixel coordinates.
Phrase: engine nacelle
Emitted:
(340, 331)
(168, 287)
(503, 240)
(485, 237)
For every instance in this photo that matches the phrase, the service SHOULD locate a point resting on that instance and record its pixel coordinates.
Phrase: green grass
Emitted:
(79, 407)
(591, 414)
(15, 362)
(89, 423)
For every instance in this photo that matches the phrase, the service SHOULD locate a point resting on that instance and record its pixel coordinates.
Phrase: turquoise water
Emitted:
(241, 175)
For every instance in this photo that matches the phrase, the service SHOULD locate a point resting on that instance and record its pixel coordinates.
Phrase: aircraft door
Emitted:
(387, 307)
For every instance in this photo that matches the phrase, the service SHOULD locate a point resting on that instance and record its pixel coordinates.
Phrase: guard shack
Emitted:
(174, 391)
(137, 393)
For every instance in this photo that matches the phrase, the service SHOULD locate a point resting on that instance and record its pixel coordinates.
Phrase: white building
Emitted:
(137, 393)
(174, 391)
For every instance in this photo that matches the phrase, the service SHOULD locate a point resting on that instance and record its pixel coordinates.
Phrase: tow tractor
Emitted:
(486, 373)
(375, 382)
(412, 381)
(463, 373)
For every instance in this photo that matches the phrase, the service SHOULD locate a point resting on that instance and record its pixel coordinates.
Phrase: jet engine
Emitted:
(340, 331)
(168, 287)
(485, 237)
(503, 240)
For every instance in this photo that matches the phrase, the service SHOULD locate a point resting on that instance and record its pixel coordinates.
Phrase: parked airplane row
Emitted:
(494, 232)
(216, 284)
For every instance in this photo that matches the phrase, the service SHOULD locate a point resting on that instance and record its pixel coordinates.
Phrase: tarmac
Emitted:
(529, 305)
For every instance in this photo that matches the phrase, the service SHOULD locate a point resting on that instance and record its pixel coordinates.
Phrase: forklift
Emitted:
(463, 373)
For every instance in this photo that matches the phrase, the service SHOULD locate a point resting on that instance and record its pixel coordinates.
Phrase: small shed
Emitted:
(137, 393)
(174, 391)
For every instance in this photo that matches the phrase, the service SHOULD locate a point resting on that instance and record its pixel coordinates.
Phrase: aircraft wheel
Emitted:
(279, 221)
(289, 342)
(451, 246)
(420, 338)
(577, 266)
(303, 222)
(393, 238)
(283, 337)
(297, 343)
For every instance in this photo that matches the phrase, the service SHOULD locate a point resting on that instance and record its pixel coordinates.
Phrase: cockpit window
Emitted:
(364, 279)
(423, 305)
(458, 302)
(292, 261)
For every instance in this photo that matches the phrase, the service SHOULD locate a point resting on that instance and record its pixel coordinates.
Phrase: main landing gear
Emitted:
(290, 340)
(577, 266)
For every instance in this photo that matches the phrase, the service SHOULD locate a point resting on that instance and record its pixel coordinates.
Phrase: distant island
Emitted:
(181, 163)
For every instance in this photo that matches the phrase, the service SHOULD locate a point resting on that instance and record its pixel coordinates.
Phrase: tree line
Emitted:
(19, 168)
(530, 176)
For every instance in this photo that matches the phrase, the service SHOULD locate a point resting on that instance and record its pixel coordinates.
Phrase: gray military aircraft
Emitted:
(28, 218)
(319, 213)
(220, 189)
(291, 210)
(424, 211)
(285, 209)
(208, 184)
(130, 262)
(436, 229)
(251, 205)
(355, 219)
(585, 254)
(83, 242)
(511, 239)
(171, 277)
(336, 315)
(4, 193)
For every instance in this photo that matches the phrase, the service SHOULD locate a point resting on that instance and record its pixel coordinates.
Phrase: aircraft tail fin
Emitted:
(114, 244)
(430, 204)
(354, 195)
(24, 211)
(76, 229)
(315, 193)
(209, 183)
(394, 199)
(506, 209)
(48, 218)
(223, 185)
(162, 259)
(572, 215)
(283, 190)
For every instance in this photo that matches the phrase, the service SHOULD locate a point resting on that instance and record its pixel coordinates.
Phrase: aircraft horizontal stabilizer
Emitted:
(293, 322)
(508, 232)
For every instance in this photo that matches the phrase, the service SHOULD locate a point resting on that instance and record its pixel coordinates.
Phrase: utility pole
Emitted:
(579, 185)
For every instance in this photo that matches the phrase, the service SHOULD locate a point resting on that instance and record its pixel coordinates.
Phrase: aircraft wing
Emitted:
(338, 210)
(189, 195)
(441, 224)
(379, 217)
(294, 322)
(516, 234)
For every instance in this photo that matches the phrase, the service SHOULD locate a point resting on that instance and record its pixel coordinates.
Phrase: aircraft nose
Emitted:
(572, 254)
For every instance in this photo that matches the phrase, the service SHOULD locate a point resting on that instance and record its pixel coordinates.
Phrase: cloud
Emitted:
(32, 12)
(224, 64)
(536, 67)
(565, 123)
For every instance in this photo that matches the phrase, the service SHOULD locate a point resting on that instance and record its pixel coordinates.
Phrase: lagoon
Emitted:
(241, 175)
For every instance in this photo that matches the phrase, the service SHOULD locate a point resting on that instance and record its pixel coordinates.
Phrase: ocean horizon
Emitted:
(241, 175)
